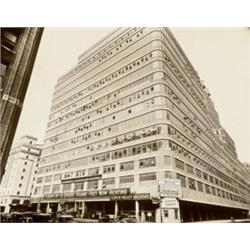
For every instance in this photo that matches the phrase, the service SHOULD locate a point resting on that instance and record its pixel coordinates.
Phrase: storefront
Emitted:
(95, 204)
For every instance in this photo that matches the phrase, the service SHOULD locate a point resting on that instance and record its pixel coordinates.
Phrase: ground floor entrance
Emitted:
(192, 211)
(142, 210)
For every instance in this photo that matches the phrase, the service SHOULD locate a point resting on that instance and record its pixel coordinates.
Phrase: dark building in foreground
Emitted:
(132, 125)
(18, 52)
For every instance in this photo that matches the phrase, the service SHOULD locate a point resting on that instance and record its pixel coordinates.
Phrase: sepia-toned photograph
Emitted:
(125, 125)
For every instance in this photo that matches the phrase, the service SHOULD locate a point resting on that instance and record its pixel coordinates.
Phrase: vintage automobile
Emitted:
(5, 218)
(24, 217)
(42, 218)
(65, 218)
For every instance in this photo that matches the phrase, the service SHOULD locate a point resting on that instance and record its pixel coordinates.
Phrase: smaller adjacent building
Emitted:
(19, 178)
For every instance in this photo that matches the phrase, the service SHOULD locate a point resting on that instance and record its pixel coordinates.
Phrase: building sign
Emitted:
(169, 203)
(145, 196)
(170, 188)
(121, 197)
(93, 193)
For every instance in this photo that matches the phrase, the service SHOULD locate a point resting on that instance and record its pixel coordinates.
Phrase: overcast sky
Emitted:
(221, 57)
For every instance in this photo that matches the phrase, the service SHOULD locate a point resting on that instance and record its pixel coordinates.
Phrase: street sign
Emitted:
(170, 188)
(169, 203)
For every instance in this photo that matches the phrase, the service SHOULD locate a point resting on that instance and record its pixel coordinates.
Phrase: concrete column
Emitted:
(137, 209)
(83, 209)
(116, 208)
(75, 206)
(143, 216)
(48, 209)
(59, 207)
(38, 207)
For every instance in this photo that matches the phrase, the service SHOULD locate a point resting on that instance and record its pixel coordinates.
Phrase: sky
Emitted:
(220, 55)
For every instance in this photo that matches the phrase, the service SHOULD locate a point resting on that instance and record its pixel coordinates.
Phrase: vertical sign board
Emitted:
(170, 188)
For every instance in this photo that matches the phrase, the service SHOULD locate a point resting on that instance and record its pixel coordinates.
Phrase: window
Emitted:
(167, 160)
(205, 176)
(67, 175)
(109, 169)
(126, 179)
(207, 189)
(179, 164)
(25, 163)
(92, 185)
(150, 162)
(200, 186)
(66, 187)
(213, 190)
(37, 190)
(57, 177)
(182, 178)
(211, 178)
(190, 169)
(93, 171)
(176, 214)
(198, 172)
(147, 177)
(168, 174)
(46, 189)
(18, 193)
(39, 180)
(191, 184)
(79, 186)
(166, 213)
(56, 188)
(125, 166)
(20, 185)
(21, 177)
(48, 178)
(108, 183)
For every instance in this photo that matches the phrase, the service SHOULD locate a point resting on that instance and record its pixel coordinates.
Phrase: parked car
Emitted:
(43, 218)
(5, 218)
(65, 218)
(130, 219)
(24, 217)
(108, 218)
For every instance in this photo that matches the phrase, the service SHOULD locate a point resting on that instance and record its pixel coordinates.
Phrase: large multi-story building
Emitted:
(18, 181)
(19, 47)
(133, 113)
